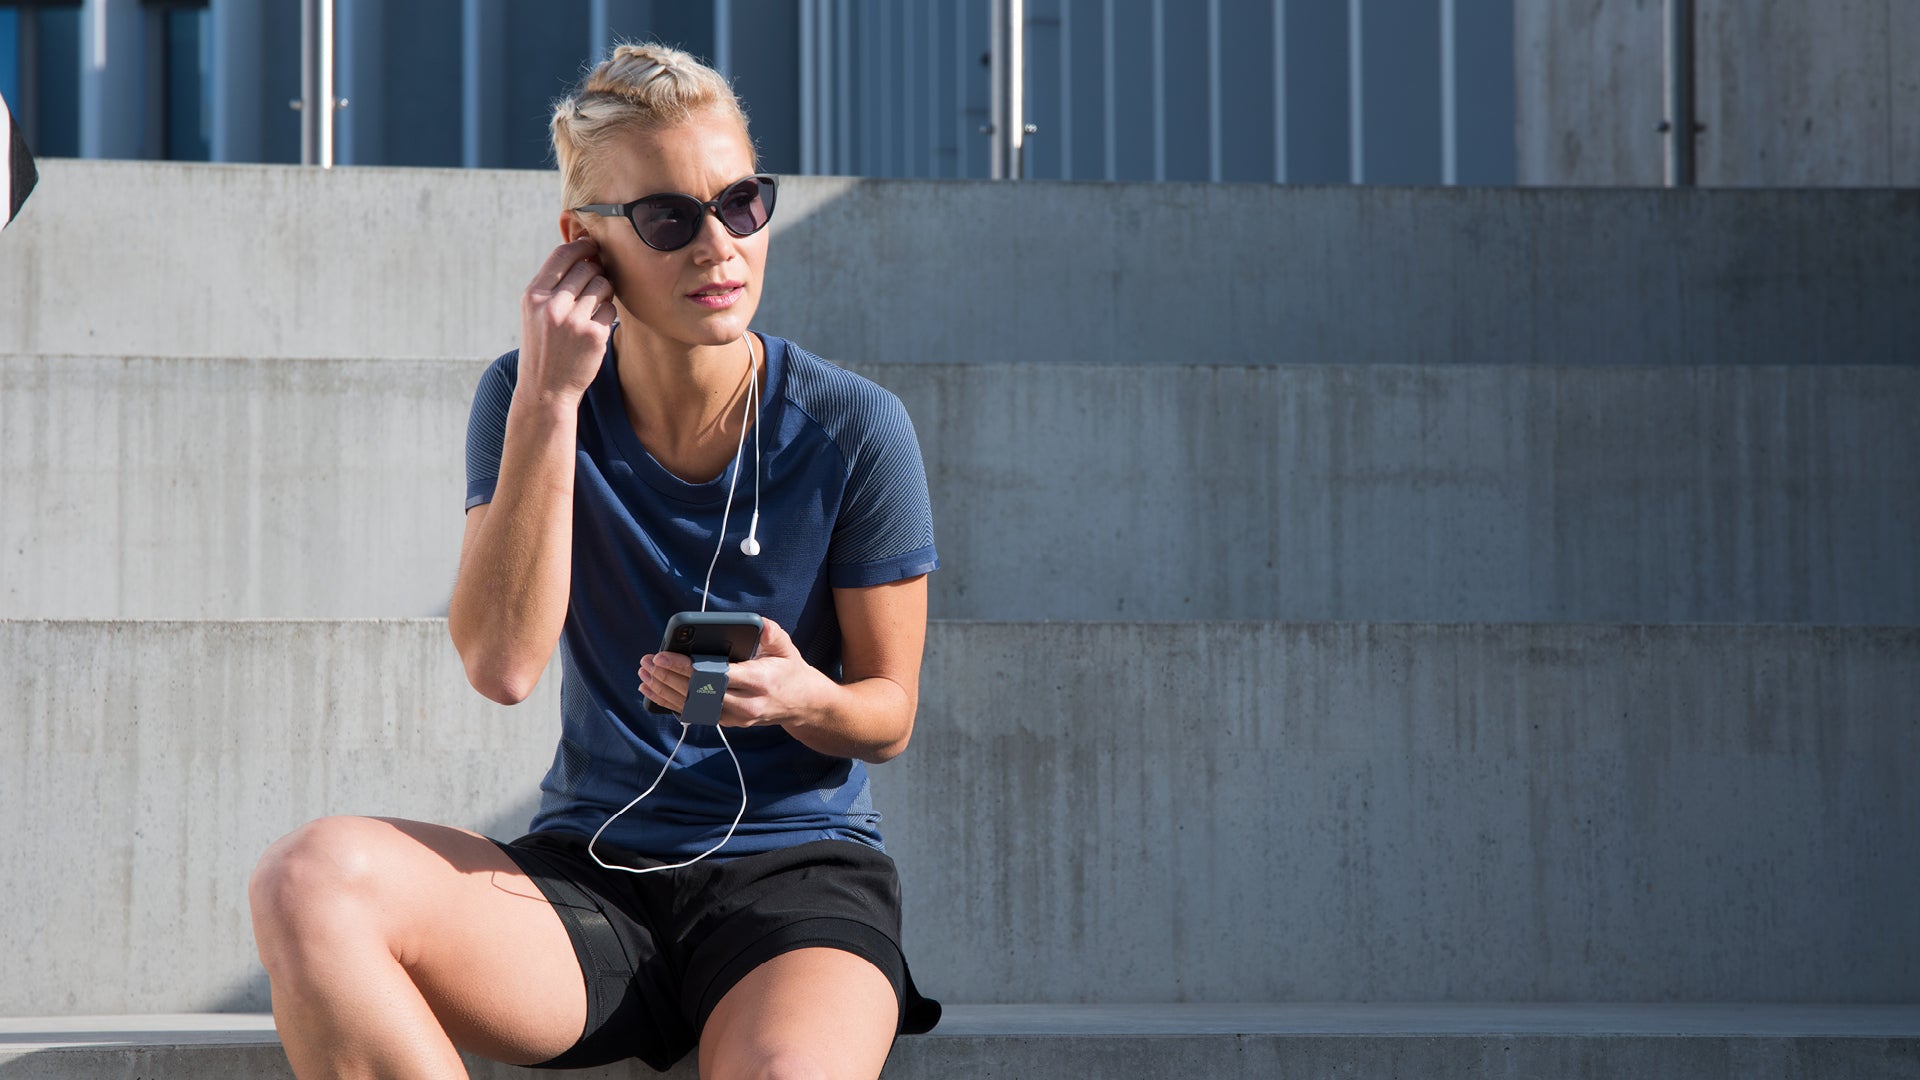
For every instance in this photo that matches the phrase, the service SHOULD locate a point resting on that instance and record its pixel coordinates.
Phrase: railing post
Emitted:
(1679, 127)
(1008, 59)
(317, 101)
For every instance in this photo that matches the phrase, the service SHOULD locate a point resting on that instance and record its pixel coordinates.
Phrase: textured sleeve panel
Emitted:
(884, 529)
(487, 427)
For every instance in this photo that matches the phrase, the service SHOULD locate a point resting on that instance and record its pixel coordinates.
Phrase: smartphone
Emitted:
(732, 634)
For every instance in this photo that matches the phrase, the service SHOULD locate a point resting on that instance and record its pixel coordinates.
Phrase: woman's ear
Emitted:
(571, 227)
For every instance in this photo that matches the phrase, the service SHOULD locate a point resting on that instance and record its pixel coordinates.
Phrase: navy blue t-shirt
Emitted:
(843, 504)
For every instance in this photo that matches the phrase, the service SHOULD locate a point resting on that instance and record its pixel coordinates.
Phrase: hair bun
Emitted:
(639, 86)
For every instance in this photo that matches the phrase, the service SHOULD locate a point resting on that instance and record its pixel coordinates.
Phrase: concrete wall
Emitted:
(1209, 812)
(118, 258)
(224, 488)
(1791, 93)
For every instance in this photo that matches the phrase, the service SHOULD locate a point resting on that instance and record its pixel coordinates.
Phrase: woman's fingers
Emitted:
(559, 262)
(660, 682)
(567, 314)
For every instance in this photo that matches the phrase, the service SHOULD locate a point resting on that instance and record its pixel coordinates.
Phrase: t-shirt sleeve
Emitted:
(884, 531)
(487, 427)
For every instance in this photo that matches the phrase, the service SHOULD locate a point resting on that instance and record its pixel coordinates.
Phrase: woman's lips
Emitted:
(719, 296)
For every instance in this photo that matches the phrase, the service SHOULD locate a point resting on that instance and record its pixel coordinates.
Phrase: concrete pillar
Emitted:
(1790, 93)
(1801, 92)
(113, 74)
(1587, 101)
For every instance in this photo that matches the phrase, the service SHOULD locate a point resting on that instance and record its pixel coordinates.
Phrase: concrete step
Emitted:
(431, 262)
(143, 487)
(1090, 813)
(1154, 1041)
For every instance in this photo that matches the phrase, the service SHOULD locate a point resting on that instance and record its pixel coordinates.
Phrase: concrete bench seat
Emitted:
(1143, 1041)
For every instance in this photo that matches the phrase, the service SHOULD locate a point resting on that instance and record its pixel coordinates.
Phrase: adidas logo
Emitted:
(705, 688)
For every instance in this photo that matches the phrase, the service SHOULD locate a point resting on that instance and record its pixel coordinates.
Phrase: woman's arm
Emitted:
(510, 598)
(883, 630)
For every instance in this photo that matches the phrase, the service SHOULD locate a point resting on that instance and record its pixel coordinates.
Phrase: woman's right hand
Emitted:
(566, 317)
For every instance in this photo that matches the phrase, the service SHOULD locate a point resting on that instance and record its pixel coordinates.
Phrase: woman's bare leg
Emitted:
(811, 1014)
(389, 943)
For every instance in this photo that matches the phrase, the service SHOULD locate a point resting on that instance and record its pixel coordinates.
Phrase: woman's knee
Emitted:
(317, 879)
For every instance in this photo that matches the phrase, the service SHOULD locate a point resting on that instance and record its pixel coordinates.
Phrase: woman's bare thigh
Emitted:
(485, 949)
(810, 1012)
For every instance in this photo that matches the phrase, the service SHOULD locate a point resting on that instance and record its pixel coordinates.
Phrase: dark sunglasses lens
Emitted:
(746, 206)
(667, 222)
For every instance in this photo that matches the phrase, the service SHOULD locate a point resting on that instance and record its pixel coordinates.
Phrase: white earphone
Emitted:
(749, 547)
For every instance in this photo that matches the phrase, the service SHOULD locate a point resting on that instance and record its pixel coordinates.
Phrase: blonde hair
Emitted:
(640, 87)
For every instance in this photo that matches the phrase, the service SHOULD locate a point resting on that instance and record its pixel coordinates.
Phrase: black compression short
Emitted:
(659, 951)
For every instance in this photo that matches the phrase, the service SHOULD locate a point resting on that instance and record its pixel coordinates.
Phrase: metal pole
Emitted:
(317, 101)
(1009, 127)
(1679, 127)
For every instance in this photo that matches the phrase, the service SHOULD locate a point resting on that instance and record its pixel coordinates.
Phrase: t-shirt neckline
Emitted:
(612, 408)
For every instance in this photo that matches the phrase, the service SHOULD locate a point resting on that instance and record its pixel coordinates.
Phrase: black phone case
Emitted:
(733, 634)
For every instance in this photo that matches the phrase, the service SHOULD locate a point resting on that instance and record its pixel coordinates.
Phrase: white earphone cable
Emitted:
(749, 408)
(752, 408)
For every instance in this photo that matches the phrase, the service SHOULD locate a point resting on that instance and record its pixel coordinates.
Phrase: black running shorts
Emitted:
(659, 951)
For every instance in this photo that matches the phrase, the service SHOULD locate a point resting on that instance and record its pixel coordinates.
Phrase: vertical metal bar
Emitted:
(997, 89)
(808, 106)
(1008, 60)
(469, 83)
(1107, 88)
(904, 72)
(723, 37)
(1679, 126)
(932, 85)
(317, 100)
(1066, 90)
(843, 98)
(26, 111)
(154, 129)
(880, 71)
(1279, 91)
(329, 102)
(598, 31)
(1159, 89)
(1213, 91)
(962, 65)
(1356, 105)
(347, 12)
(1449, 96)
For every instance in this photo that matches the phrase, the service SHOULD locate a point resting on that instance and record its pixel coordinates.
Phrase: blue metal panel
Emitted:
(1246, 97)
(1485, 95)
(1317, 130)
(1045, 49)
(545, 48)
(10, 57)
(1085, 32)
(979, 105)
(56, 98)
(1185, 104)
(421, 72)
(1135, 112)
(766, 73)
(1401, 75)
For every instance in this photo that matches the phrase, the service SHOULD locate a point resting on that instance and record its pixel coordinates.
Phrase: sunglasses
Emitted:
(669, 221)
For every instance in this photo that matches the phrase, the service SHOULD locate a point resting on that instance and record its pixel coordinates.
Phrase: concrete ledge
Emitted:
(1090, 813)
(1253, 1041)
(143, 487)
(431, 262)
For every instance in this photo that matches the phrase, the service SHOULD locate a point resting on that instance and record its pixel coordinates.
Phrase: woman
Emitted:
(643, 453)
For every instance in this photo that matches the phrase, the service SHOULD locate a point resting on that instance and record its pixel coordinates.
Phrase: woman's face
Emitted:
(702, 294)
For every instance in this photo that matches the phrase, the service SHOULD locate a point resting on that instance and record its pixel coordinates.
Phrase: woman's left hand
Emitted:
(777, 686)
